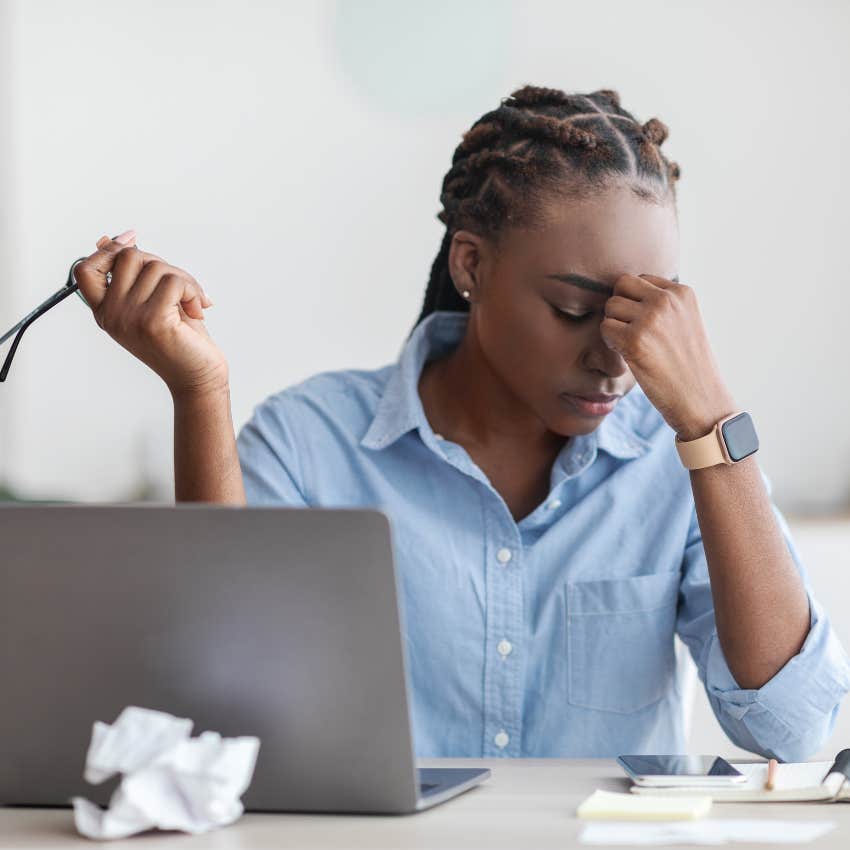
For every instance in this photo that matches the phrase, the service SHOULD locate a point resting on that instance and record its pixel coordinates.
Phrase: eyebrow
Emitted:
(588, 283)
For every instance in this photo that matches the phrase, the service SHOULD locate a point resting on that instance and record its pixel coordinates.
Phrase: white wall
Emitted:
(290, 156)
(8, 207)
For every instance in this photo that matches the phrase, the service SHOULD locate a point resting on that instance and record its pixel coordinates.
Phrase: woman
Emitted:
(550, 541)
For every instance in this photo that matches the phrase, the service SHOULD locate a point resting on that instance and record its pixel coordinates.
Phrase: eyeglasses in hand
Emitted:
(69, 288)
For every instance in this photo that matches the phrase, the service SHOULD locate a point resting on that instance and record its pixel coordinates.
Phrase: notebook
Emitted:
(795, 781)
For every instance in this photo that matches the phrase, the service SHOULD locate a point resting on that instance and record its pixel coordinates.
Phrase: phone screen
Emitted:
(678, 766)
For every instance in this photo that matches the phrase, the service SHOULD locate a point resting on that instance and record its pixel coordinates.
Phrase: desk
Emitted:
(526, 803)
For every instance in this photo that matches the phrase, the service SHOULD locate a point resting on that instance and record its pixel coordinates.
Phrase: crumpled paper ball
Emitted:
(170, 781)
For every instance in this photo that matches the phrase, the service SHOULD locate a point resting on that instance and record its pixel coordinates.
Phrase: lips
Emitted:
(600, 398)
(592, 404)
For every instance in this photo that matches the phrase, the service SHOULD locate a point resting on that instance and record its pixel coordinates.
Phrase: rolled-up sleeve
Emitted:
(791, 715)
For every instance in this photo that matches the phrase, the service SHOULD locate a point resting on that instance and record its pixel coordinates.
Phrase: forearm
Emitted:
(206, 463)
(760, 604)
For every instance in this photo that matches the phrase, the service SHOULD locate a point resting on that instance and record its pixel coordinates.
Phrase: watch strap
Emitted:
(709, 450)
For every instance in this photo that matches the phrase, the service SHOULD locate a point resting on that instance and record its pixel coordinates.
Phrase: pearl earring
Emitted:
(465, 293)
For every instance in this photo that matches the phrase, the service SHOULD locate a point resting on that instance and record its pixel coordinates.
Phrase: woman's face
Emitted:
(539, 331)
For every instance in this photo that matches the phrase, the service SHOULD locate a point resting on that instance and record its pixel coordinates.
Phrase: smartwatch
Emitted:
(731, 440)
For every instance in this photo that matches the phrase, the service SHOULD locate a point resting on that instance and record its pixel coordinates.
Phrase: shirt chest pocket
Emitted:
(620, 653)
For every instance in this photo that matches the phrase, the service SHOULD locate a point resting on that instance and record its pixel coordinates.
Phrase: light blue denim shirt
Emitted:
(552, 636)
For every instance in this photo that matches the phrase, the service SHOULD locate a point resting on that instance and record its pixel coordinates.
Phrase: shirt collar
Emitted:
(400, 406)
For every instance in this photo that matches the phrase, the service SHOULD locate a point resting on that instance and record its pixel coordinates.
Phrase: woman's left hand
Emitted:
(656, 326)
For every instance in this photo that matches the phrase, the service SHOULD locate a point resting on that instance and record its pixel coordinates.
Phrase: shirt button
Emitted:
(504, 647)
(504, 555)
(554, 504)
(501, 739)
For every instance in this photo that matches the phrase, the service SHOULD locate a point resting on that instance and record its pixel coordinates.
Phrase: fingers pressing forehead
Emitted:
(639, 286)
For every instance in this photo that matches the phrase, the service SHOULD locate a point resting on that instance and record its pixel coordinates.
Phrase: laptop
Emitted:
(282, 623)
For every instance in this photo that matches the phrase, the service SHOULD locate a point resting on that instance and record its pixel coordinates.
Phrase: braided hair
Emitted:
(542, 142)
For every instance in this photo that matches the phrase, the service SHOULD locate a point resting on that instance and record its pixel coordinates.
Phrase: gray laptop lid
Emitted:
(276, 622)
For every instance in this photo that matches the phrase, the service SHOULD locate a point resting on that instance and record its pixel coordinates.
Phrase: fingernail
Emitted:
(102, 241)
(125, 238)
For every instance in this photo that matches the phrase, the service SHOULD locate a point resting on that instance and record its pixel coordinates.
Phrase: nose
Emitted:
(599, 358)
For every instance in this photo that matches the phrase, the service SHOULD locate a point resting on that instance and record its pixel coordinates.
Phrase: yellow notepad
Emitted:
(609, 805)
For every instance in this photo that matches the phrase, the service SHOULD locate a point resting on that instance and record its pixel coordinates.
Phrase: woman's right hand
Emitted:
(156, 312)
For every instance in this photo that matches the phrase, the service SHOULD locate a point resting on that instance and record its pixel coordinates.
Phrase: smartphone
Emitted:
(671, 771)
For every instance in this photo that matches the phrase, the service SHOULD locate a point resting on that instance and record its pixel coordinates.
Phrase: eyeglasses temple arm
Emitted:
(42, 308)
(19, 329)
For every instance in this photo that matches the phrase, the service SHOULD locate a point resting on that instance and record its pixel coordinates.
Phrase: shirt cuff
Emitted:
(792, 714)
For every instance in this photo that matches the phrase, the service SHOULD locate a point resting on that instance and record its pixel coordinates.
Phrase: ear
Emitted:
(465, 254)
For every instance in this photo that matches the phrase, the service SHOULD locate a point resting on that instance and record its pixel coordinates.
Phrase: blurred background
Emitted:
(290, 155)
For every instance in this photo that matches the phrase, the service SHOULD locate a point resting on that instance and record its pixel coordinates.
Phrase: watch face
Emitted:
(740, 436)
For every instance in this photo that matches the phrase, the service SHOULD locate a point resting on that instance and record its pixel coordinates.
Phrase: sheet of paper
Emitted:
(794, 781)
(791, 775)
(708, 831)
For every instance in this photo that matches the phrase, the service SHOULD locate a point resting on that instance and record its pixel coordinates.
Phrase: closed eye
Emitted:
(570, 317)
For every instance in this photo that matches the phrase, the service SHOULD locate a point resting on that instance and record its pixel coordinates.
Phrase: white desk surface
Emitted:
(527, 804)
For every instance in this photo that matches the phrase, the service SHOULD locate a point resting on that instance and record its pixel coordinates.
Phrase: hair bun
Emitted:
(610, 94)
(479, 135)
(530, 96)
(655, 130)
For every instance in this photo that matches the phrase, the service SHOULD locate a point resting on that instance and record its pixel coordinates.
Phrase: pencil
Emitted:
(771, 774)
